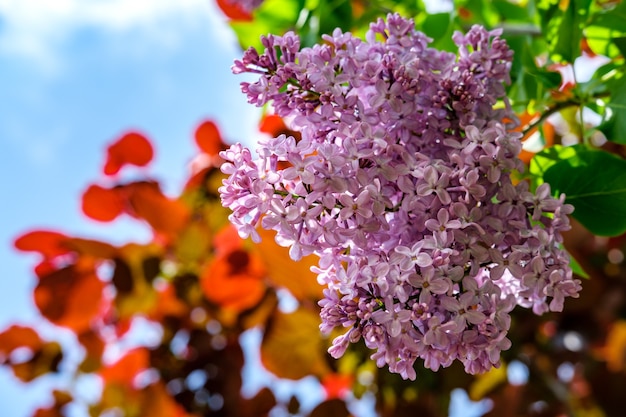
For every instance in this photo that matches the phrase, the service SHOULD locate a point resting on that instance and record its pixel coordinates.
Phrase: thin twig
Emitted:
(557, 108)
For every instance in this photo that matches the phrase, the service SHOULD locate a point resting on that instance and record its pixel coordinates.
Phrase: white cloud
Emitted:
(37, 29)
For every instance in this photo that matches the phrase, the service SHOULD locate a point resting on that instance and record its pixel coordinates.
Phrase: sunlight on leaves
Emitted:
(292, 347)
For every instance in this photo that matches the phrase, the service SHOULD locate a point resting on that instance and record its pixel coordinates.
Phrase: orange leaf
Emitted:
(48, 243)
(234, 11)
(292, 347)
(89, 247)
(45, 359)
(197, 179)
(275, 126)
(227, 240)
(44, 268)
(17, 337)
(285, 272)
(70, 297)
(614, 350)
(337, 385)
(133, 148)
(165, 215)
(584, 46)
(127, 367)
(158, 402)
(168, 305)
(548, 134)
(102, 204)
(61, 398)
(94, 348)
(42, 357)
(234, 280)
(209, 139)
(272, 124)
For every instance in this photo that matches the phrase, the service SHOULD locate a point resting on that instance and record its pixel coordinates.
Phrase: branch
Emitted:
(557, 108)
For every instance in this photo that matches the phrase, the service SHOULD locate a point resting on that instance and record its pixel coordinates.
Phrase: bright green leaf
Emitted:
(548, 157)
(594, 182)
(274, 16)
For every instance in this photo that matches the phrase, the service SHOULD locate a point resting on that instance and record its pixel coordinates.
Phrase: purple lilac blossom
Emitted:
(401, 184)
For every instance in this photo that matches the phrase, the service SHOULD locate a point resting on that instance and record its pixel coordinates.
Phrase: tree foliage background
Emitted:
(203, 287)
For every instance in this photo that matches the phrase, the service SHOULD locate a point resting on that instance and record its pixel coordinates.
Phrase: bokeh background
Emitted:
(74, 76)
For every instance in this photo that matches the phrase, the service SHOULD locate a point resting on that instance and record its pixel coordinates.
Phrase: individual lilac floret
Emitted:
(401, 184)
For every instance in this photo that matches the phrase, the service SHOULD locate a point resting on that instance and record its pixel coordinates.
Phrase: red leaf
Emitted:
(272, 124)
(165, 215)
(584, 46)
(227, 240)
(234, 280)
(127, 368)
(234, 11)
(131, 149)
(209, 139)
(48, 243)
(275, 126)
(337, 385)
(16, 337)
(102, 204)
(70, 297)
(44, 268)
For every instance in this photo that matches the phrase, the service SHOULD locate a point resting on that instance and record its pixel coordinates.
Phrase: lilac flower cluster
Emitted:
(401, 184)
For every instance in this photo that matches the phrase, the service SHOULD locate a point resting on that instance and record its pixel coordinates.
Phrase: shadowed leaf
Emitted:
(70, 297)
(94, 348)
(331, 408)
(594, 182)
(487, 382)
(234, 280)
(17, 337)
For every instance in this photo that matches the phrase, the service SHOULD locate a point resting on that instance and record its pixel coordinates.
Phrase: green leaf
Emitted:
(605, 30)
(594, 182)
(439, 27)
(483, 12)
(436, 25)
(548, 157)
(274, 16)
(620, 42)
(600, 40)
(511, 11)
(615, 127)
(577, 268)
(334, 14)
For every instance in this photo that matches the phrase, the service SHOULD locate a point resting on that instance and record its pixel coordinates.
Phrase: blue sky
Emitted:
(74, 75)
